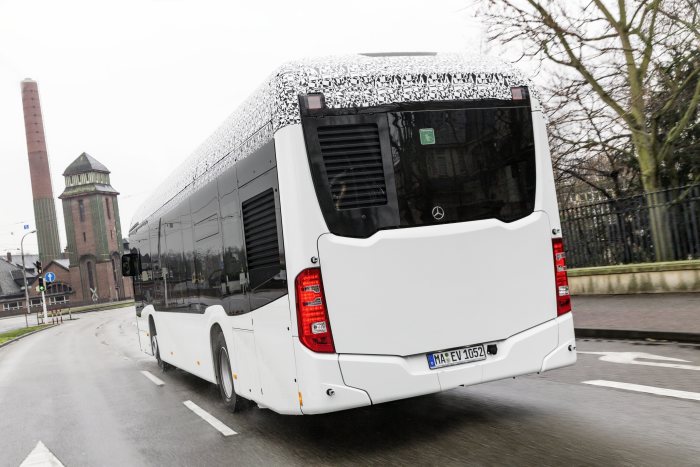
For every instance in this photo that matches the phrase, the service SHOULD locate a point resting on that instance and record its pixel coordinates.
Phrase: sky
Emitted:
(139, 84)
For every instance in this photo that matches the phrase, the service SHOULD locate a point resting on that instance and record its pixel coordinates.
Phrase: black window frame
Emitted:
(364, 222)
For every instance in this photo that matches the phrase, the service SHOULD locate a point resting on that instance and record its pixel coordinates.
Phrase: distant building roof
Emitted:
(8, 286)
(64, 263)
(83, 164)
(29, 260)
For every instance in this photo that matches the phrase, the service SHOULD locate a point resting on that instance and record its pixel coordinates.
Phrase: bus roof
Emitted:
(361, 80)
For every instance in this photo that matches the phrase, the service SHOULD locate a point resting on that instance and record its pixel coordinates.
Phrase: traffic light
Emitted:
(41, 284)
(38, 268)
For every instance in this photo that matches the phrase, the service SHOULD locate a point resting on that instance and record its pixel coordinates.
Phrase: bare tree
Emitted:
(619, 52)
(591, 149)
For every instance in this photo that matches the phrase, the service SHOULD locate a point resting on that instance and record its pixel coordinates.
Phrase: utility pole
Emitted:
(24, 273)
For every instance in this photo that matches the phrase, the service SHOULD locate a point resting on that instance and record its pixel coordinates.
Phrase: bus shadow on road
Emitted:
(428, 425)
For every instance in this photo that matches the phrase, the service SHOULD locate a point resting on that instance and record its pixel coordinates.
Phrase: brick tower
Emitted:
(44, 205)
(93, 232)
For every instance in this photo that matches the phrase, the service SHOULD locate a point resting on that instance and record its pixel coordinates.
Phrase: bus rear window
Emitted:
(410, 168)
(463, 165)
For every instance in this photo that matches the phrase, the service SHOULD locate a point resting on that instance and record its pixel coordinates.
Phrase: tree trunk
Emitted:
(657, 204)
(660, 226)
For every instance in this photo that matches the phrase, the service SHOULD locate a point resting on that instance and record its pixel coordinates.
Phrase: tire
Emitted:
(224, 375)
(156, 351)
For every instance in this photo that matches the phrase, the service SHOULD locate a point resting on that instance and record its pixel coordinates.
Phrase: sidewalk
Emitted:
(672, 316)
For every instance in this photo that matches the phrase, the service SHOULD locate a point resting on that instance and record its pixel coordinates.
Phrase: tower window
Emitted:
(91, 278)
(109, 214)
(81, 211)
(84, 237)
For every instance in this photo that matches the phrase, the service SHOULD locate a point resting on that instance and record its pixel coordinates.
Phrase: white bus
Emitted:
(362, 229)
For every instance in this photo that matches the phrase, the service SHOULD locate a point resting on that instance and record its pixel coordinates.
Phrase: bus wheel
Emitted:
(156, 352)
(224, 375)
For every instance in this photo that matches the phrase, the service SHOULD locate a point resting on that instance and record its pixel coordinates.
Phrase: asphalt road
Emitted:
(78, 388)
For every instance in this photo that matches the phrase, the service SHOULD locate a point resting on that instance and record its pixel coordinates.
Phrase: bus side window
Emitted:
(204, 206)
(233, 277)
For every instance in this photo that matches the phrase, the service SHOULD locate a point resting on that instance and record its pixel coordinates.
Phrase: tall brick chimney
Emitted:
(9, 257)
(44, 205)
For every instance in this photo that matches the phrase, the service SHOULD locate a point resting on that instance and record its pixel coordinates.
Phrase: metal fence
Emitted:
(619, 231)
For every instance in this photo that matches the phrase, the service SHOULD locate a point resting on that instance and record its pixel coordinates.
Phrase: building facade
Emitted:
(12, 299)
(93, 233)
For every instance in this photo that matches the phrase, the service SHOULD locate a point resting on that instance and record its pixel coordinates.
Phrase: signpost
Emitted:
(50, 277)
(24, 274)
(41, 289)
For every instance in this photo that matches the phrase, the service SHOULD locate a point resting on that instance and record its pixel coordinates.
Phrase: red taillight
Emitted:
(560, 279)
(312, 315)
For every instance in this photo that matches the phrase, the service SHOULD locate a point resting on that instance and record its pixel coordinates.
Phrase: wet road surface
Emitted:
(79, 389)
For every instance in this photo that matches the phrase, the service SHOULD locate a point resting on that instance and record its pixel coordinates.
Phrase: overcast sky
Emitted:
(138, 84)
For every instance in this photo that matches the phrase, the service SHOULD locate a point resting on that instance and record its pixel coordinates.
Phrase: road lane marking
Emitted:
(694, 396)
(630, 358)
(209, 418)
(157, 381)
(41, 456)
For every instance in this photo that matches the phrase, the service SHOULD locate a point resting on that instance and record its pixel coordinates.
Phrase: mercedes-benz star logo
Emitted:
(438, 213)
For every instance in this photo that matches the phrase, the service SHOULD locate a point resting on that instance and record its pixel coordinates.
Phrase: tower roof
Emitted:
(83, 164)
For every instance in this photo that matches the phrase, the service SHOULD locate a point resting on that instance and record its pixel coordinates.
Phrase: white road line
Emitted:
(631, 358)
(695, 396)
(41, 457)
(157, 381)
(209, 418)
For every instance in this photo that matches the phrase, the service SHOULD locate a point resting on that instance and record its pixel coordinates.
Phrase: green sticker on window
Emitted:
(427, 136)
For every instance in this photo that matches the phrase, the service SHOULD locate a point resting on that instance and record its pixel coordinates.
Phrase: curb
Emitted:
(638, 335)
(26, 335)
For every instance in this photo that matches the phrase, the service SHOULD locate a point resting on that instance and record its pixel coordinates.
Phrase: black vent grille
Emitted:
(260, 227)
(352, 157)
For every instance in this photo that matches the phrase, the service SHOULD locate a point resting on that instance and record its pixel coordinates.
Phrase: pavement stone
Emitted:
(671, 312)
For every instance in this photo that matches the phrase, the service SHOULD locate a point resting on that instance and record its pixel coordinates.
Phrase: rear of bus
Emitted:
(424, 248)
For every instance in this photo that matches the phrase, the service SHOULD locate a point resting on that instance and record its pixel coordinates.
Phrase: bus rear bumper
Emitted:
(385, 378)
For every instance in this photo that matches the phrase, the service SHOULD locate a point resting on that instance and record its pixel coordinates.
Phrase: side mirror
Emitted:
(130, 265)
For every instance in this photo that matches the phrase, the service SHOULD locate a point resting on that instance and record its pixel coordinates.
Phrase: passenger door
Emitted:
(267, 279)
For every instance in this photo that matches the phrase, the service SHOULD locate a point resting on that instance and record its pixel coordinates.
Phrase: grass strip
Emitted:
(9, 335)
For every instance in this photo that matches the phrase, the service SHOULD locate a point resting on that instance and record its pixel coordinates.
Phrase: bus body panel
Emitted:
(183, 342)
(388, 378)
(246, 378)
(409, 291)
(546, 193)
(317, 374)
(275, 356)
(144, 332)
(302, 221)
(565, 353)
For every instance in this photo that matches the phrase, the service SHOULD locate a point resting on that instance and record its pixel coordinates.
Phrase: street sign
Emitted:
(50, 277)
(26, 226)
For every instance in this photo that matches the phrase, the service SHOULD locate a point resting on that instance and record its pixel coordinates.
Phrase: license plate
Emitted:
(456, 356)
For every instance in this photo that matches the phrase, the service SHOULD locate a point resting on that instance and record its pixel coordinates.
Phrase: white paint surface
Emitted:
(631, 358)
(41, 456)
(411, 291)
(157, 381)
(695, 396)
(209, 418)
